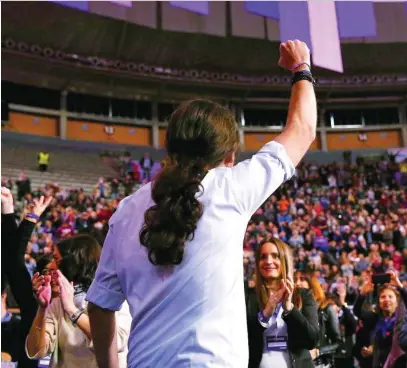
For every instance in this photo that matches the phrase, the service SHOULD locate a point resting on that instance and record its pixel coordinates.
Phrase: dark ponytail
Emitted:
(173, 220)
(200, 135)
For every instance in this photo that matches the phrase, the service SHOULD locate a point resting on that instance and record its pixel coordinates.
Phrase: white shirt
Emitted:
(275, 327)
(193, 314)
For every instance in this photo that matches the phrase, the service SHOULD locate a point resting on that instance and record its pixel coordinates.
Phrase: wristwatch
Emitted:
(75, 316)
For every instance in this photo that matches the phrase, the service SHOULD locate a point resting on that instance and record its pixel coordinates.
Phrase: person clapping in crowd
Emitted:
(282, 318)
(61, 326)
(385, 321)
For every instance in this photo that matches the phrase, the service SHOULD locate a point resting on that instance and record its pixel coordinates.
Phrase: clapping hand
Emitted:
(367, 351)
(42, 289)
(288, 286)
(66, 293)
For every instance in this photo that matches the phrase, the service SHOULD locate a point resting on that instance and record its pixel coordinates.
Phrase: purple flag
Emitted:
(80, 5)
(200, 7)
(294, 21)
(326, 45)
(268, 9)
(356, 19)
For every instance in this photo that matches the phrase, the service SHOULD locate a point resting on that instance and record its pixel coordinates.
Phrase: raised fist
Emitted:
(293, 53)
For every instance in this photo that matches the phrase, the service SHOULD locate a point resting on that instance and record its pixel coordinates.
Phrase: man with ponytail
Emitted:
(174, 248)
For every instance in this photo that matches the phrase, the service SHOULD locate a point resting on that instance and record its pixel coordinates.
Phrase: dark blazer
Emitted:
(403, 335)
(14, 243)
(302, 328)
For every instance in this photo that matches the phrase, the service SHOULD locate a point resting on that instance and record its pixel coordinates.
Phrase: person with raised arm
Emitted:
(174, 248)
(14, 244)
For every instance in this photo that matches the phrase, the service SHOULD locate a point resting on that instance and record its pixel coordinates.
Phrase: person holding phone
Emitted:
(385, 319)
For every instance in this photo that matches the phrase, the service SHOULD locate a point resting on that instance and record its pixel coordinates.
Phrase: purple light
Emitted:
(200, 7)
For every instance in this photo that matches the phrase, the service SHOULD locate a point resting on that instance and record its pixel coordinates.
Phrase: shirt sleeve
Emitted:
(254, 180)
(105, 290)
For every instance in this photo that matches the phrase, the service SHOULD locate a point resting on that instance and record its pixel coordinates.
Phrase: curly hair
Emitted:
(200, 135)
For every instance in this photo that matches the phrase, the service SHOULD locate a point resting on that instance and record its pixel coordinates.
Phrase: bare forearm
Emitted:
(301, 125)
(103, 327)
(36, 339)
(82, 322)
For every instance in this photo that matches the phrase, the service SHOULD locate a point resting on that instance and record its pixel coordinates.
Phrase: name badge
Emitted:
(276, 343)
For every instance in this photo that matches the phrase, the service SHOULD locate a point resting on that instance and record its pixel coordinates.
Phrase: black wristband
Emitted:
(302, 75)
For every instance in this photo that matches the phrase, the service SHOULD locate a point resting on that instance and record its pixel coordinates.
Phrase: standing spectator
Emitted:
(282, 319)
(10, 327)
(146, 165)
(114, 188)
(7, 183)
(101, 188)
(384, 320)
(43, 160)
(61, 326)
(23, 186)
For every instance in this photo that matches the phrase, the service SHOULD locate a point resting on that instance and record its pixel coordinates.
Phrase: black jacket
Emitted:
(14, 243)
(382, 346)
(302, 328)
(10, 337)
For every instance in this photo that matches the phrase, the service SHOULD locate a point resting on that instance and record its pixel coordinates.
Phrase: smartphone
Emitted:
(381, 278)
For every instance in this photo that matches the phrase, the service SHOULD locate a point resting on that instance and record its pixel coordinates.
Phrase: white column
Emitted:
(155, 128)
(322, 132)
(403, 122)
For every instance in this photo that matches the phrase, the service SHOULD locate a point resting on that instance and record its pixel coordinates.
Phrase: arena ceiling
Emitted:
(60, 28)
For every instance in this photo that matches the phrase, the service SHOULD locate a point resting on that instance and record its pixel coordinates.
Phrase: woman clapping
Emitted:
(282, 319)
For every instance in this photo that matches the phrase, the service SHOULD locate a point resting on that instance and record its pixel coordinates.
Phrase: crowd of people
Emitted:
(343, 224)
(324, 257)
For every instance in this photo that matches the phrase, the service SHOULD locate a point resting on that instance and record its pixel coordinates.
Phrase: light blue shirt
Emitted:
(191, 315)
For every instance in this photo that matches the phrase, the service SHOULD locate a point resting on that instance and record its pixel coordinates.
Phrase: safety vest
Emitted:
(43, 158)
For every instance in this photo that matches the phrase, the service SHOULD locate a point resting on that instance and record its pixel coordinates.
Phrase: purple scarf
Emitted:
(385, 326)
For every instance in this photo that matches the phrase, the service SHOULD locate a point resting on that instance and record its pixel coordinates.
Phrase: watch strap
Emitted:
(303, 75)
(75, 316)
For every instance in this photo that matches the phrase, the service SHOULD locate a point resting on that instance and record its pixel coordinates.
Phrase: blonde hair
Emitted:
(287, 271)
